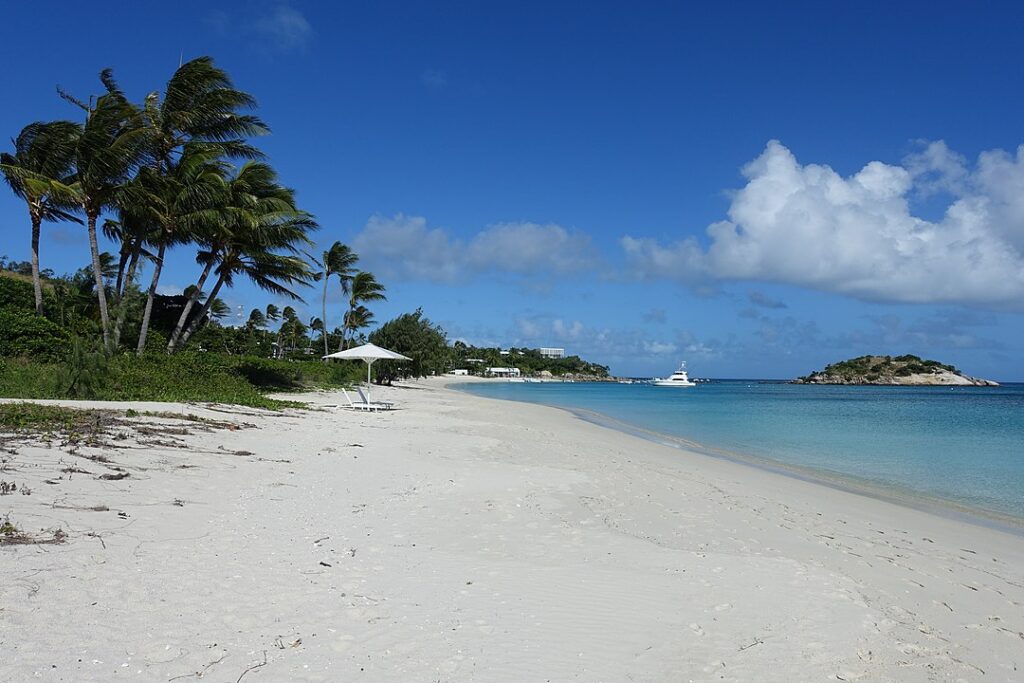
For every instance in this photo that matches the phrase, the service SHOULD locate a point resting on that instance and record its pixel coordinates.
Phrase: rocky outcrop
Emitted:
(899, 370)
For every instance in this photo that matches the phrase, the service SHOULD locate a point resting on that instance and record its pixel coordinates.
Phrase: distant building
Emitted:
(503, 352)
(460, 371)
(552, 353)
(474, 360)
(503, 372)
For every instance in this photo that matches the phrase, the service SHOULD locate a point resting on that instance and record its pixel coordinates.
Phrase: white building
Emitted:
(460, 372)
(552, 353)
(503, 372)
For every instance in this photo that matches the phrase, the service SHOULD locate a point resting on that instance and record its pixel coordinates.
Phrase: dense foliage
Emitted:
(40, 358)
(414, 336)
(873, 368)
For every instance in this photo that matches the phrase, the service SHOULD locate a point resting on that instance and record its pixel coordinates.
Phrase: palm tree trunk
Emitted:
(197, 321)
(101, 293)
(122, 309)
(158, 266)
(37, 285)
(172, 343)
(125, 255)
(324, 318)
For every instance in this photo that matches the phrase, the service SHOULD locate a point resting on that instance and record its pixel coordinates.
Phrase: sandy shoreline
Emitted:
(464, 538)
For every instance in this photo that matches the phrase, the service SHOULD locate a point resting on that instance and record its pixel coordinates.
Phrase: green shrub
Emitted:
(16, 293)
(26, 334)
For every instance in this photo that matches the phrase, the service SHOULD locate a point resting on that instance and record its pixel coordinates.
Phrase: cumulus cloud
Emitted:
(404, 247)
(630, 346)
(856, 235)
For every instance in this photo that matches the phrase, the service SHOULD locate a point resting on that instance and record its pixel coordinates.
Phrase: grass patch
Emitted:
(189, 377)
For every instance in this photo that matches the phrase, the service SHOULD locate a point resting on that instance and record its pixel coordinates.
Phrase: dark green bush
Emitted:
(23, 333)
(16, 293)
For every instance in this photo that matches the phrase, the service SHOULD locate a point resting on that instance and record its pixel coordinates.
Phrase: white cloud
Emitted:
(404, 247)
(284, 28)
(807, 225)
(659, 348)
(566, 331)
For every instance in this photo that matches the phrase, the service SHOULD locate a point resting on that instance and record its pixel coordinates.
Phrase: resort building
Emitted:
(503, 372)
(552, 353)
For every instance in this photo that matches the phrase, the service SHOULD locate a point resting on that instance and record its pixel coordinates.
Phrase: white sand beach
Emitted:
(466, 539)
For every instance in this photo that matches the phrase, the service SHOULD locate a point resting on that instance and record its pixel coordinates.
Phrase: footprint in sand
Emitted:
(723, 607)
(696, 628)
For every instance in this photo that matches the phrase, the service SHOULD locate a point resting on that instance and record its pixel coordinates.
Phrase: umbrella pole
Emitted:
(368, 367)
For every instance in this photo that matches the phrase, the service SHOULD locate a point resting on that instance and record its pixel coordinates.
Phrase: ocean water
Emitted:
(955, 447)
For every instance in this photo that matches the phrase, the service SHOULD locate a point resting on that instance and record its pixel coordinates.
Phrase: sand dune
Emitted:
(462, 539)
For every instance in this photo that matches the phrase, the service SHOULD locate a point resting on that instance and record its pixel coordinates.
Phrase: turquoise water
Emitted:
(959, 445)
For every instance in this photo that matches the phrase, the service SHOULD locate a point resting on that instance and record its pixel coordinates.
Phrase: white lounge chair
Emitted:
(383, 405)
(361, 405)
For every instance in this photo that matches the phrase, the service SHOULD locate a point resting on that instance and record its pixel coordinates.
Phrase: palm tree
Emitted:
(180, 205)
(363, 287)
(108, 147)
(199, 109)
(252, 202)
(40, 172)
(356, 319)
(315, 325)
(200, 104)
(256, 319)
(339, 260)
(257, 255)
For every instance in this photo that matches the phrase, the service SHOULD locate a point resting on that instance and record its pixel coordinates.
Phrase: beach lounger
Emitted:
(361, 405)
(383, 405)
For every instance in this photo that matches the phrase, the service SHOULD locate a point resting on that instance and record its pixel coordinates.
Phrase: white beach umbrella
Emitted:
(368, 353)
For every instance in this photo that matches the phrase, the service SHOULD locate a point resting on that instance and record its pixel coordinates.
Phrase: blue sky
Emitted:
(758, 190)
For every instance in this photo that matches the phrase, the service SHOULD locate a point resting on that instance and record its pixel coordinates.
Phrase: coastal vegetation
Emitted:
(905, 370)
(529, 361)
(174, 171)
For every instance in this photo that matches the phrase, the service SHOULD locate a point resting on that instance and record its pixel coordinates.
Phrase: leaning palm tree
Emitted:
(200, 109)
(339, 261)
(109, 147)
(357, 318)
(270, 271)
(180, 205)
(200, 104)
(39, 172)
(256, 320)
(363, 287)
(251, 201)
(260, 242)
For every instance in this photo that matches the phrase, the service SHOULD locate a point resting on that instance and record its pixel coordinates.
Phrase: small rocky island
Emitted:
(899, 370)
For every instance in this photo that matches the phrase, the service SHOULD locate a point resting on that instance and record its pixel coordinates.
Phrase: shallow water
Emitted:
(961, 445)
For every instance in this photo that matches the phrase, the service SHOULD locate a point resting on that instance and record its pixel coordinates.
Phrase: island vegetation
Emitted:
(894, 370)
(529, 361)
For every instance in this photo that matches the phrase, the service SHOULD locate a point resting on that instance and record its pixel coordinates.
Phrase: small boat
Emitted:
(679, 378)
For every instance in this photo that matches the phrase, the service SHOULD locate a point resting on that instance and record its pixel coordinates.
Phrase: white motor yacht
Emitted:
(679, 378)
